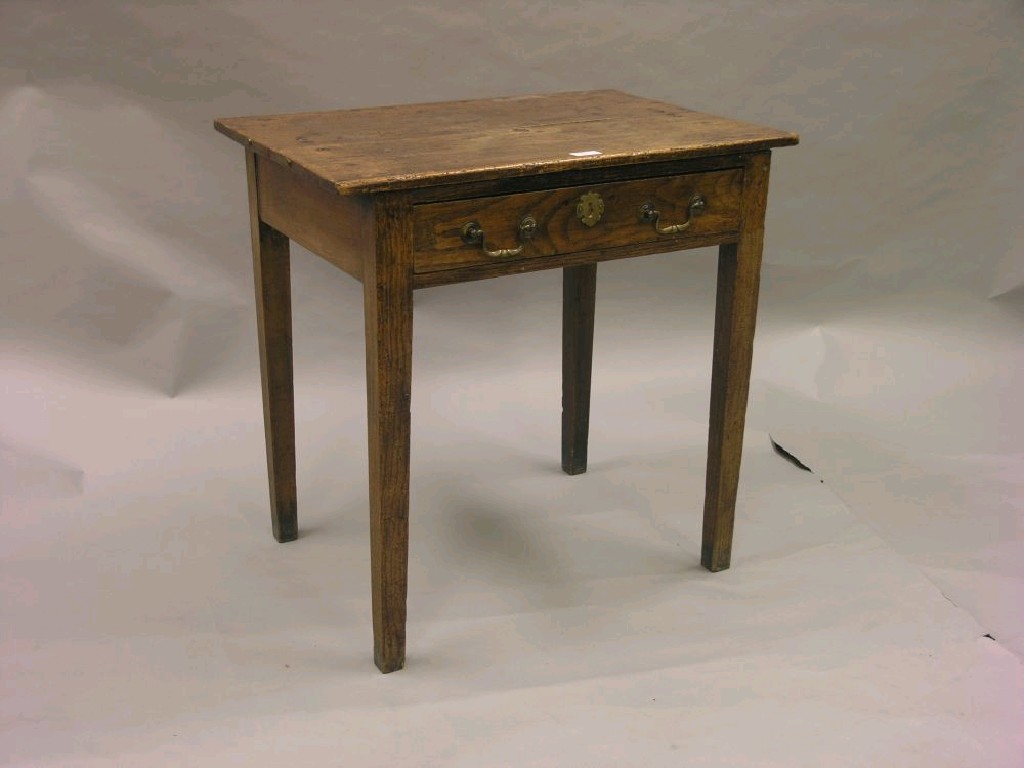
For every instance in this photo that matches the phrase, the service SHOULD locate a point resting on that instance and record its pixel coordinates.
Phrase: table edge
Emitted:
(374, 185)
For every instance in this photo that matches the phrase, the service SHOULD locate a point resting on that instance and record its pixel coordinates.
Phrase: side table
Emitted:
(412, 196)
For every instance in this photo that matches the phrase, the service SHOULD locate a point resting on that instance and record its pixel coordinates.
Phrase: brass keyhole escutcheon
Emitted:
(590, 208)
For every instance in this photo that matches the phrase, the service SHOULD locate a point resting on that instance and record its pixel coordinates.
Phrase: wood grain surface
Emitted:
(387, 291)
(272, 274)
(338, 229)
(739, 275)
(437, 232)
(417, 145)
(384, 193)
(519, 266)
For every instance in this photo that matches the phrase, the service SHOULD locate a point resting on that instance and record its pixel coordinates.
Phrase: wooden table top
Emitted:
(419, 145)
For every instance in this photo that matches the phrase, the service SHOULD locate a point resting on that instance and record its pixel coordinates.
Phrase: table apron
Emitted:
(498, 269)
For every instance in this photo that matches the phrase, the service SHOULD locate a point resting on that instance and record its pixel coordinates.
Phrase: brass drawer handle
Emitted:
(472, 233)
(649, 213)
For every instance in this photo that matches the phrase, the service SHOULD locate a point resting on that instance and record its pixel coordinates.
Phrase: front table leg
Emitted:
(739, 270)
(387, 290)
(272, 271)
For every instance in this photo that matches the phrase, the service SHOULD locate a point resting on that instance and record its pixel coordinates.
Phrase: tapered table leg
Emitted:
(579, 285)
(388, 302)
(739, 269)
(272, 272)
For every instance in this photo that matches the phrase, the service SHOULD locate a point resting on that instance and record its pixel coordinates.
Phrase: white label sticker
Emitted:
(586, 153)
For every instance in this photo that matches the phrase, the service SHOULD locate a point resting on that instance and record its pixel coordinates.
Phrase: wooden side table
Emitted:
(411, 196)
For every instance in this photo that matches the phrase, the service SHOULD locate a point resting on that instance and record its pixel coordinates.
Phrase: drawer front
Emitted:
(459, 233)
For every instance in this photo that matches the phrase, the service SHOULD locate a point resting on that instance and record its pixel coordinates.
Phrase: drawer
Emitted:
(460, 233)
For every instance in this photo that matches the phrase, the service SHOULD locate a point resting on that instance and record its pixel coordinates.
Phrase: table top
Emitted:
(419, 145)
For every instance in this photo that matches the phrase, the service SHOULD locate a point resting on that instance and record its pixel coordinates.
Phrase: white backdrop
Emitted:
(148, 617)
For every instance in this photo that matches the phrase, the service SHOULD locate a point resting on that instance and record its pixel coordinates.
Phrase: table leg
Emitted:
(579, 285)
(739, 270)
(272, 272)
(387, 288)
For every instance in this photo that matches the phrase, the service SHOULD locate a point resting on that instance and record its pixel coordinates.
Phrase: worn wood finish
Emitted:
(272, 273)
(739, 270)
(438, 226)
(573, 177)
(339, 229)
(518, 266)
(579, 284)
(422, 145)
(383, 194)
(387, 290)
